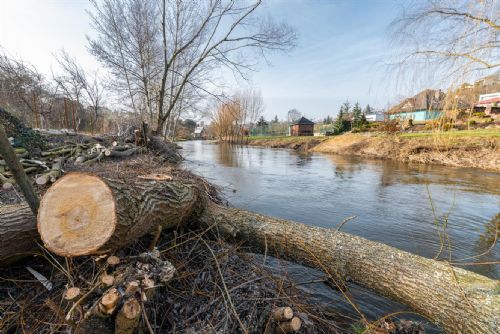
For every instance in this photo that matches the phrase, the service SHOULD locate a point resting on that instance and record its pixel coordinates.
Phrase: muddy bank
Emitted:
(294, 143)
(475, 152)
(460, 151)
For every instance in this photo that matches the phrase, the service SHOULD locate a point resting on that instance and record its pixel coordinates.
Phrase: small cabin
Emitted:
(199, 133)
(302, 127)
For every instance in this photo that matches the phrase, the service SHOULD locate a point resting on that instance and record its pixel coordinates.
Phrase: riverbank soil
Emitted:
(461, 151)
(475, 149)
(294, 143)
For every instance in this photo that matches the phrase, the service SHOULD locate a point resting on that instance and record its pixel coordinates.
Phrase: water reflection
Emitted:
(405, 206)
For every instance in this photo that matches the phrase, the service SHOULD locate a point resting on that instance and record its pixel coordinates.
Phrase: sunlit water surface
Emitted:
(402, 205)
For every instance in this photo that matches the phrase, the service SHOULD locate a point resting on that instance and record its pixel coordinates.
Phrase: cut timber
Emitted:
(455, 299)
(72, 293)
(18, 233)
(83, 214)
(107, 280)
(283, 313)
(127, 318)
(289, 326)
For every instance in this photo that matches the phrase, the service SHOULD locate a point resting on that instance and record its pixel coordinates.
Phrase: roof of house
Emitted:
(489, 101)
(427, 99)
(303, 121)
(198, 130)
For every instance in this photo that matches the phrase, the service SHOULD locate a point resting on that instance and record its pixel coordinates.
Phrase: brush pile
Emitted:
(49, 165)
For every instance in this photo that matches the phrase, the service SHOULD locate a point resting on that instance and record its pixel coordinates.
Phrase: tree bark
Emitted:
(83, 214)
(15, 166)
(455, 299)
(18, 233)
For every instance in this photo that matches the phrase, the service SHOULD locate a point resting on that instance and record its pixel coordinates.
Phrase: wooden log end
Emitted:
(107, 280)
(290, 326)
(72, 293)
(41, 180)
(109, 301)
(127, 318)
(131, 309)
(113, 260)
(76, 215)
(7, 185)
(131, 288)
(283, 313)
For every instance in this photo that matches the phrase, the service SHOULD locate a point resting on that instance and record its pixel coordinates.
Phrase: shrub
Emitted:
(390, 126)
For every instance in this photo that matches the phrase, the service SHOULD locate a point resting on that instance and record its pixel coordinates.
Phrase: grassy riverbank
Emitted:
(476, 148)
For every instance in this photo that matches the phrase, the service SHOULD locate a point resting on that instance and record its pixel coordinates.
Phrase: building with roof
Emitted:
(426, 105)
(489, 103)
(199, 133)
(302, 127)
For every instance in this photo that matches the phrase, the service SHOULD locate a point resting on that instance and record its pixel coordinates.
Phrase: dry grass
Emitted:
(461, 151)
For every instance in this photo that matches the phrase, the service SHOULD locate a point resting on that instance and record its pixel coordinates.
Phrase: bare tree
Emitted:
(21, 86)
(184, 43)
(448, 39)
(252, 106)
(79, 86)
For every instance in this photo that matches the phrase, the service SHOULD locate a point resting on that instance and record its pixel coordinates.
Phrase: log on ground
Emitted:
(18, 232)
(455, 299)
(83, 214)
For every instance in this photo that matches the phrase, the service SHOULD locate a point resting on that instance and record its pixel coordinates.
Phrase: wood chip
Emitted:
(156, 177)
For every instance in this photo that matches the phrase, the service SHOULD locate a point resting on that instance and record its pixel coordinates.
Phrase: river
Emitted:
(434, 211)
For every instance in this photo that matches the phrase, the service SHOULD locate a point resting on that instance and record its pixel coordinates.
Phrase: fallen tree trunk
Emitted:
(455, 299)
(83, 214)
(18, 232)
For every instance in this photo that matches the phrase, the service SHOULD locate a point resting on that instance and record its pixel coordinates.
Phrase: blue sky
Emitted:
(341, 53)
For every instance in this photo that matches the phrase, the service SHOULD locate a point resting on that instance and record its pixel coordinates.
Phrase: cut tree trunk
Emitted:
(18, 234)
(83, 214)
(455, 299)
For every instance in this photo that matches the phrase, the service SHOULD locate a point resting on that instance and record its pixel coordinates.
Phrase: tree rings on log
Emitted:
(77, 215)
(289, 326)
(283, 313)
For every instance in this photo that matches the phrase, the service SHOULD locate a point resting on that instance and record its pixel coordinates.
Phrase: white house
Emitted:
(375, 116)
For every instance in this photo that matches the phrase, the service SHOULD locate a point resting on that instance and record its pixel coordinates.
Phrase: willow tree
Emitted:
(450, 40)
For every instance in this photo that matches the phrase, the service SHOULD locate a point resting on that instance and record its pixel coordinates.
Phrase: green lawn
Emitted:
(463, 133)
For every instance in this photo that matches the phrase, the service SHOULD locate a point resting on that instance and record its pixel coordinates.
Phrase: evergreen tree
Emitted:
(368, 109)
(327, 120)
(342, 123)
(362, 121)
(261, 122)
(275, 120)
(356, 115)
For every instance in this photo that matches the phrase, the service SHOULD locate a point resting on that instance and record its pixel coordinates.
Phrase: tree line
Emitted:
(162, 62)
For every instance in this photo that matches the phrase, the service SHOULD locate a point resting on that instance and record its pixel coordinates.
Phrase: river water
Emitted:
(451, 213)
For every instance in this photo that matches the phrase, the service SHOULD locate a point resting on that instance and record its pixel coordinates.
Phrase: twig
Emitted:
(243, 328)
(146, 320)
